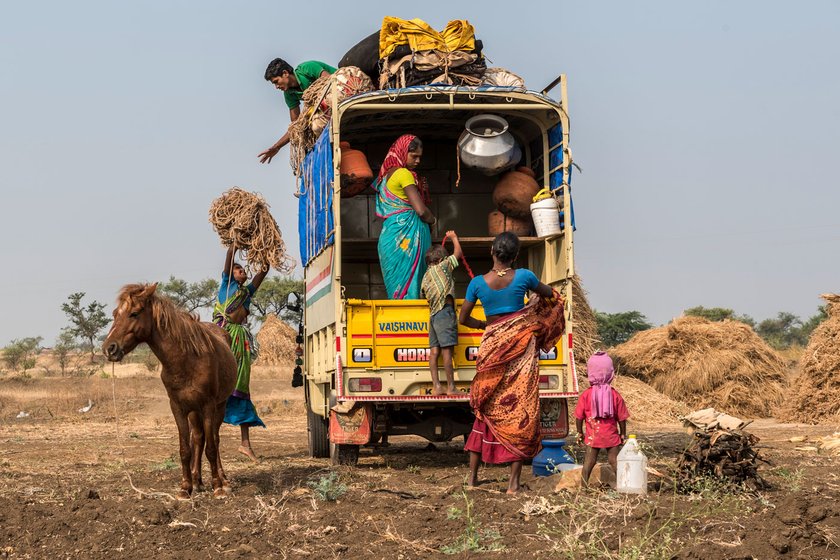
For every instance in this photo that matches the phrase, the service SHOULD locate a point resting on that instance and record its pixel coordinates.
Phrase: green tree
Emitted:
(87, 322)
(615, 328)
(190, 296)
(20, 354)
(718, 314)
(64, 346)
(273, 298)
(814, 321)
(783, 331)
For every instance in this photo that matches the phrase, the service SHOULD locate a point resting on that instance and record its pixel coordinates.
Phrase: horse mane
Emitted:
(183, 327)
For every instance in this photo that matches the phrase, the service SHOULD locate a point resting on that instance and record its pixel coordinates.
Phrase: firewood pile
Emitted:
(720, 448)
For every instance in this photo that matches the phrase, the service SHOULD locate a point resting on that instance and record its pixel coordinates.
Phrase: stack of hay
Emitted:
(276, 340)
(703, 363)
(646, 404)
(585, 331)
(816, 389)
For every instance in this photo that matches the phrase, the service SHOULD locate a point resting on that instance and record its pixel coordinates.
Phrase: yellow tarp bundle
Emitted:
(458, 35)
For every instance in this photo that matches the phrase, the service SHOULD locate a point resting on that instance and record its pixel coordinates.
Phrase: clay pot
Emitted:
(356, 175)
(498, 222)
(514, 193)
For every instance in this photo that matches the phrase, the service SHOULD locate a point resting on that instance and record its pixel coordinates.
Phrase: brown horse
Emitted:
(198, 371)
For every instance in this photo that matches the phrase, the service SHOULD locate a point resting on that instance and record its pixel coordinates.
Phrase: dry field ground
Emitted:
(95, 485)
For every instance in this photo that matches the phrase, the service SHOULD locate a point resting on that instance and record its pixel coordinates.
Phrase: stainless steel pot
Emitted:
(486, 145)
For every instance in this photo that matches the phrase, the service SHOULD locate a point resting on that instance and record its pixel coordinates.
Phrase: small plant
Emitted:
(793, 479)
(413, 469)
(167, 464)
(454, 513)
(474, 538)
(328, 488)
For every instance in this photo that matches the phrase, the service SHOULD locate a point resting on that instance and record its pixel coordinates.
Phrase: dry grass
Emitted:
(242, 219)
(703, 363)
(582, 528)
(646, 404)
(792, 355)
(816, 389)
(276, 340)
(585, 326)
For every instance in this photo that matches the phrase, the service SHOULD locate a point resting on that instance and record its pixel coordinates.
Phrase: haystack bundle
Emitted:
(703, 363)
(276, 340)
(317, 98)
(242, 219)
(585, 333)
(646, 404)
(816, 388)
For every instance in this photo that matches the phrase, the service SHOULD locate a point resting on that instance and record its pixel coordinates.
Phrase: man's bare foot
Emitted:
(513, 491)
(437, 391)
(248, 452)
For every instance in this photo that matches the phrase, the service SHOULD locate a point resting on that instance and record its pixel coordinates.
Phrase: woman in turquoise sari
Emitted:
(402, 201)
(231, 313)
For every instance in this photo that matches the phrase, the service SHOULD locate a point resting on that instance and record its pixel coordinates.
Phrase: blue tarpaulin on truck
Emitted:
(555, 165)
(315, 216)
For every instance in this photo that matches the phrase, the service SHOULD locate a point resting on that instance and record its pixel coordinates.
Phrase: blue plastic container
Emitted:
(552, 458)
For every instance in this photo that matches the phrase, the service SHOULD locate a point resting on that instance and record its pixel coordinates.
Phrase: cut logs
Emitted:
(729, 455)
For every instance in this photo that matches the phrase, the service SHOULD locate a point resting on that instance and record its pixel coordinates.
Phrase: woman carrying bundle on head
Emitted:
(504, 394)
(231, 313)
(403, 202)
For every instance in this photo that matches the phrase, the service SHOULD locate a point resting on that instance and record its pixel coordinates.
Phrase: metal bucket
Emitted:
(486, 145)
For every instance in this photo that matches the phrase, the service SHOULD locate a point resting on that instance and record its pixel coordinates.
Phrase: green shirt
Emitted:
(306, 73)
(438, 283)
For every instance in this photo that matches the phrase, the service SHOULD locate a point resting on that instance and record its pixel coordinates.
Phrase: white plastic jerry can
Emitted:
(631, 477)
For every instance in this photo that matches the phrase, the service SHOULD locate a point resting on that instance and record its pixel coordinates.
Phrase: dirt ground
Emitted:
(98, 484)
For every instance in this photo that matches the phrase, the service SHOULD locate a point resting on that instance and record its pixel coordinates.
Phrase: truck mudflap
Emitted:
(350, 423)
(554, 418)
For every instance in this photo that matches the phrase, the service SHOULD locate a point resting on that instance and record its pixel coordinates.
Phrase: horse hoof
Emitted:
(220, 493)
(183, 495)
(199, 487)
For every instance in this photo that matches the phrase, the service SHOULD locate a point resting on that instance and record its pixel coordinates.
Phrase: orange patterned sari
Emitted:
(505, 391)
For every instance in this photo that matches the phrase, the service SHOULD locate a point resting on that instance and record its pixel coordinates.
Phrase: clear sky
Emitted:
(706, 133)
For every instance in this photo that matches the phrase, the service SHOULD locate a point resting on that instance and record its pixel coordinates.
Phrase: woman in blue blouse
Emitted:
(504, 394)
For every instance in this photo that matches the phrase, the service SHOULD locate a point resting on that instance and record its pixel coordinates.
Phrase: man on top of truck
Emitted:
(292, 82)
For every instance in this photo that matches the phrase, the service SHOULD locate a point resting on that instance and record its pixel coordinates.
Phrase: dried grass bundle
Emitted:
(242, 219)
(585, 330)
(646, 404)
(703, 363)
(816, 388)
(276, 340)
(304, 132)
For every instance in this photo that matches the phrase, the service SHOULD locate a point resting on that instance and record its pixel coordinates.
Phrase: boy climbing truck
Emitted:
(366, 357)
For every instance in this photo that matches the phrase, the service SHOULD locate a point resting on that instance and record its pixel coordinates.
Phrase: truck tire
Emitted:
(343, 454)
(319, 432)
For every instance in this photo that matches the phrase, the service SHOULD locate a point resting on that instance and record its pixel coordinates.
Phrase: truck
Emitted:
(366, 357)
